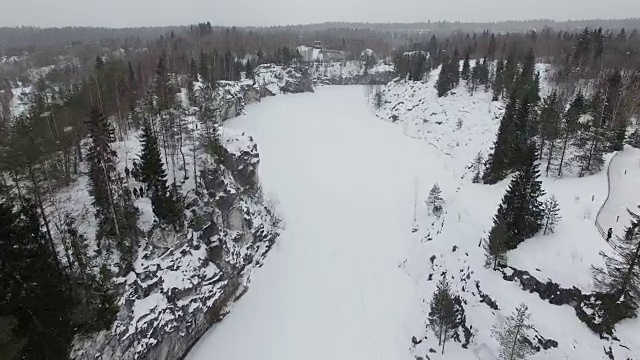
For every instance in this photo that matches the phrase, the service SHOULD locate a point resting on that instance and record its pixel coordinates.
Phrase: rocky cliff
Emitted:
(351, 73)
(182, 283)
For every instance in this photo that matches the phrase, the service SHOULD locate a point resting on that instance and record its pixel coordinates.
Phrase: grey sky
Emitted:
(117, 13)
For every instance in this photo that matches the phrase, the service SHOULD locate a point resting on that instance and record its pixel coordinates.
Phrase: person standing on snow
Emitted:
(609, 234)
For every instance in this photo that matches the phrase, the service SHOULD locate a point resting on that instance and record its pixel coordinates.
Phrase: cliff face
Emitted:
(176, 293)
(182, 283)
(351, 73)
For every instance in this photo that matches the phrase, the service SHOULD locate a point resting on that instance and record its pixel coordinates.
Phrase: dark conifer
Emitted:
(34, 292)
(466, 67)
(621, 275)
(442, 312)
(521, 207)
(498, 163)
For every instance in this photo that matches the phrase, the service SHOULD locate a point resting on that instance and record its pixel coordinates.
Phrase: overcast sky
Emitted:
(119, 13)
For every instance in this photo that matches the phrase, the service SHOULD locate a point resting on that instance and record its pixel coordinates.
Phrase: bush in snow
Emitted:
(511, 336)
(442, 312)
(435, 201)
(551, 211)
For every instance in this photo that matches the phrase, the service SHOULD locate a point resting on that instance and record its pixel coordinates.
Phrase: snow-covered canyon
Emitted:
(352, 273)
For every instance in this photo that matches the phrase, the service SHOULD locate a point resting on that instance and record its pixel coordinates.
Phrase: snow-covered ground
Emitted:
(332, 287)
(354, 270)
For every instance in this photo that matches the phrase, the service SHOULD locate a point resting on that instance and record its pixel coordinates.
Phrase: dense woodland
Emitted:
(100, 90)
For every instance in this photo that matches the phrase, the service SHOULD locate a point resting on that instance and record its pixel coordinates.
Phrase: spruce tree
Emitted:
(478, 162)
(435, 201)
(621, 275)
(152, 171)
(34, 292)
(549, 123)
(248, 71)
(498, 81)
(165, 202)
(495, 247)
(511, 336)
(442, 313)
(570, 125)
(443, 84)
(116, 214)
(498, 164)
(521, 208)
(466, 68)
(551, 213)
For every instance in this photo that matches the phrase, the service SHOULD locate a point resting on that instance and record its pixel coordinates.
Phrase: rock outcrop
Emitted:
(178, 290)
(352, 73)
(174, 295)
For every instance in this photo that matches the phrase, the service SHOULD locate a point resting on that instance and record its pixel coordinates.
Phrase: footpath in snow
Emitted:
(332, 287)
(624, 178)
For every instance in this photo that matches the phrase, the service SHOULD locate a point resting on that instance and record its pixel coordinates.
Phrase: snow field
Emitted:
(352, 274)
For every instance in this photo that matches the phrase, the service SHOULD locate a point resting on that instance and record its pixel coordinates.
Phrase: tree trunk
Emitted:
(551, 146)
(515, 343)
(36, 191)
(564, 150)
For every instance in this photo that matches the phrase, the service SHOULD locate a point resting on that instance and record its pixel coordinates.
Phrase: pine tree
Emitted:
(551, 211)
(442, 313)
(621, 275)
(521, 208)
(435, 201)
(495, 246)
(511, 336)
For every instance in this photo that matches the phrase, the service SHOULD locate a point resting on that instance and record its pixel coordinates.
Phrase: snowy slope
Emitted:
(564, 257)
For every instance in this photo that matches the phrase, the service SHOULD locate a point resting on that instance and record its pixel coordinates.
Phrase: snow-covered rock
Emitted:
(351, 73)
(175, 294)
(273, 79)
